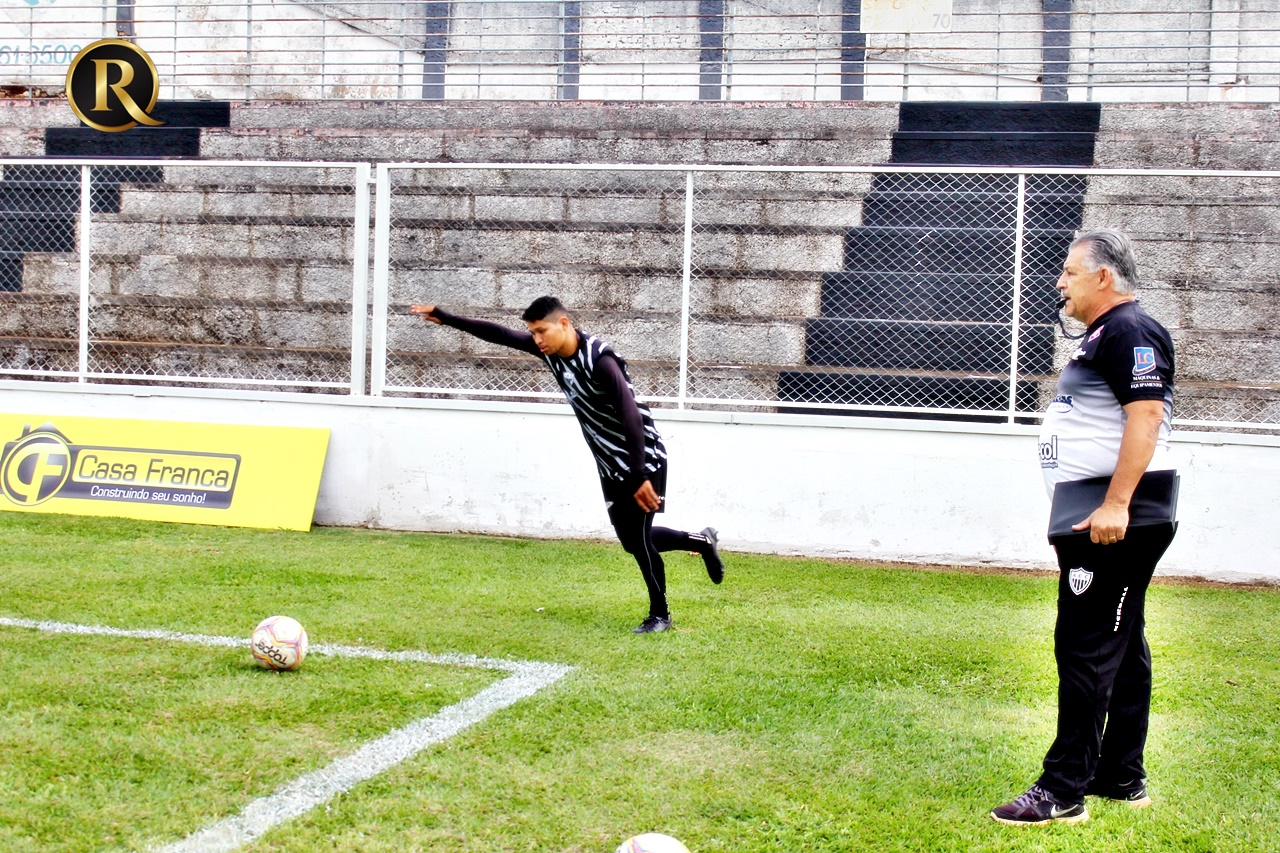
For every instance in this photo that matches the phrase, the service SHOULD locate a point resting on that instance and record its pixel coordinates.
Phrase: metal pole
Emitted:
(684, 292)
(570, 50)
(711, 54)
(360, 281)
(1055, 50)
(85, 211)
(381, 273)
(435, 48)
(248, 51)
(853, 52)
(1015, 321)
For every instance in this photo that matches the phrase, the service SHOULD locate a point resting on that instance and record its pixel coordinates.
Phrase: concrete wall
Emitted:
(932, 493)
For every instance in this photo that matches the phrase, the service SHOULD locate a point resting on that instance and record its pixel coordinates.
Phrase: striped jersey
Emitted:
(588, 380)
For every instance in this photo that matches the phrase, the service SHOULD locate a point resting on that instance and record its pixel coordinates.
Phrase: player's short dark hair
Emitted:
(542, 308)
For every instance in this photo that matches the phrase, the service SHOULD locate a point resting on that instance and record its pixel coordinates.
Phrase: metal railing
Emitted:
(901, 291)
(794, 50)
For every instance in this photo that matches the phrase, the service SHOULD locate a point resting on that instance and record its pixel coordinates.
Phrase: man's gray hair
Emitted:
(1114, 250)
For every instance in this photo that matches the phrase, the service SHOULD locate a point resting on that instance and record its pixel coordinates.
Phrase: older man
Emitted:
(1110, 418)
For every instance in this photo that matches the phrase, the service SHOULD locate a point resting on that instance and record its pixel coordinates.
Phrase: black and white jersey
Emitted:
(1125, 355)
(618, 428)
(592, 379)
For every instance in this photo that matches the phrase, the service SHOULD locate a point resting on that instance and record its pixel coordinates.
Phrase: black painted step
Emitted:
(192, 113)
(10, 274)
(980, 251)
(36, 232)
(931, 346)
(140, 141)
(39, 197)
(992, 148)
(943, 209)
(56, 189)
(1008, 117)
(935, 296)
(983, 393)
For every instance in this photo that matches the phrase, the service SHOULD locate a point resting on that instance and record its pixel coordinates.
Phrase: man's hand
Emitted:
(647, 498)
(1106, 525)
(427, 312)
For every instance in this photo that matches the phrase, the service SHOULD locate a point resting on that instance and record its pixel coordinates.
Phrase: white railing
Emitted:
(906, 291)
(683, 50)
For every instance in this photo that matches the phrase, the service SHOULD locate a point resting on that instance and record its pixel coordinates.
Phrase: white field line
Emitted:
(306, 792)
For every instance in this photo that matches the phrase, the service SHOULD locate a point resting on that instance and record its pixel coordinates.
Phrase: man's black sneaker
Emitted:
(715, 566)
(1037, 807)
(652, 625)
(1133, 794)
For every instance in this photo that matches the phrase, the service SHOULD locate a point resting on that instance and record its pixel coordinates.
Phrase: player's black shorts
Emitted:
(617, 495)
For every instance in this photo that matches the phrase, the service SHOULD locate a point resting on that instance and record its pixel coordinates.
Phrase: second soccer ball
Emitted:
(652, 842)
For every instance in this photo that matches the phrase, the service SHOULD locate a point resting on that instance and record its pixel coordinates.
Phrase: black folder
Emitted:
(1155, 501)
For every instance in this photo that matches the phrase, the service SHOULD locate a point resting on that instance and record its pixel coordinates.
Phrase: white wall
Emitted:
(885, 490)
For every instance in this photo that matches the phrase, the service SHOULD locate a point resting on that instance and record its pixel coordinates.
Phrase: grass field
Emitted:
(802, 706)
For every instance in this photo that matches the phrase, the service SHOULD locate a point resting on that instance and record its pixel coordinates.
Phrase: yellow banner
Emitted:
(238, 476)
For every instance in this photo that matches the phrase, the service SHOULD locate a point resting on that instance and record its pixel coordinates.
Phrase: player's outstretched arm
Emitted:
(482, 329)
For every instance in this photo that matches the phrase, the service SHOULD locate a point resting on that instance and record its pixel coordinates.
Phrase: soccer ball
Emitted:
(278, 642)
(652, 842)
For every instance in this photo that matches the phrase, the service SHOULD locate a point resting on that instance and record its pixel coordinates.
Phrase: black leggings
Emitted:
(646, 543)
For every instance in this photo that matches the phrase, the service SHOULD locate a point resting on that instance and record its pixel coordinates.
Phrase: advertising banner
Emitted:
(237, 476)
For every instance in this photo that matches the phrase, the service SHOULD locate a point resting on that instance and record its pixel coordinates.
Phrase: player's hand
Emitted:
(1106, 525)
(427, 312)
(647, 498)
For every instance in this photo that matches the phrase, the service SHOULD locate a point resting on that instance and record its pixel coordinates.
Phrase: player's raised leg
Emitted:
(705, 544)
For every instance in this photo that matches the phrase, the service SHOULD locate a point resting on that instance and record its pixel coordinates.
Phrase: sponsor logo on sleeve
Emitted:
(1144, 360)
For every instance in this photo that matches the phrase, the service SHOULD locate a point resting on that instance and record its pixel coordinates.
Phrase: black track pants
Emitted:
(1104, 663)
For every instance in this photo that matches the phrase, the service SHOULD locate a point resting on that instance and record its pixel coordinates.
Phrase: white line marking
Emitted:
(306, 792)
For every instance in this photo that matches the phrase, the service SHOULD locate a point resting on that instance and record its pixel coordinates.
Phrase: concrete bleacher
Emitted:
(205, 270)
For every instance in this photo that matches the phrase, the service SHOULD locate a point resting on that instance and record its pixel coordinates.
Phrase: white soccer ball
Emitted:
(652, 842)
(279, 642)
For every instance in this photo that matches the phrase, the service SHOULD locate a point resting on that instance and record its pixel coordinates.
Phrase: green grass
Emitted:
(802, 706)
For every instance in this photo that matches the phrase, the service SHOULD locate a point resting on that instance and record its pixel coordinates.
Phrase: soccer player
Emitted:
(1111, 418)
(619, 430)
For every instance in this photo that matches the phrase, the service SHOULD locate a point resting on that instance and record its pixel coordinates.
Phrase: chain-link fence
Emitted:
(915, 292)
(902, 291)
(186, 273)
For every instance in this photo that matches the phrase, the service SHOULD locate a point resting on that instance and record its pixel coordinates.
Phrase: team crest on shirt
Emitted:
(1079, 578)
(571, 384)
(1144, 360)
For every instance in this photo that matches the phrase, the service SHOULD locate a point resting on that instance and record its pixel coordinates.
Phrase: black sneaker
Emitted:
(652, 625)
(1133, 794)
(715, 565)
(1037, 807)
